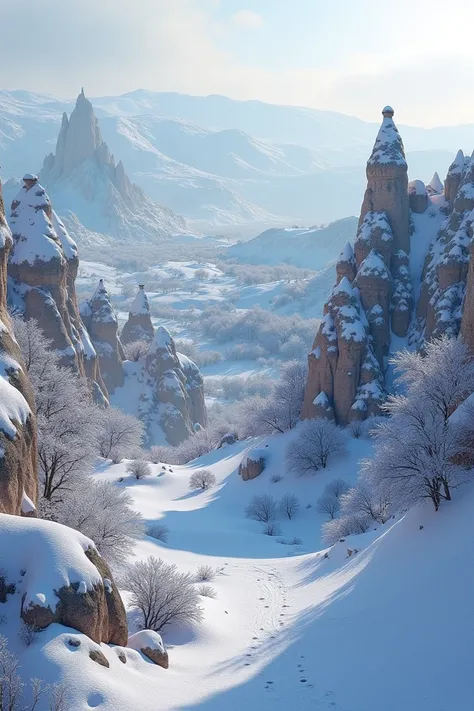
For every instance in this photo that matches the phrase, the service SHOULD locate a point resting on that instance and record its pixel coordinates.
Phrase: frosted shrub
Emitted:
(136, 350)
(202, 479)
(289, 505)
(275, 478)
(205, 573)
(138, 468)
(207, 591)
(120, 435)
(162, 453)
(318, 441)
(262, 508)
(28, 633)
(159, 532)
(162, 594)
(272, 528)
(338, 528)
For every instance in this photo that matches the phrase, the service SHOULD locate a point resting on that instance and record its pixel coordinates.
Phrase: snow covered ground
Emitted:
(291, 625)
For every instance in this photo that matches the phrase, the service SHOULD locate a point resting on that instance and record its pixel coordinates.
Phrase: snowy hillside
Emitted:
(290, 624)
(220, 162)
(310, 248)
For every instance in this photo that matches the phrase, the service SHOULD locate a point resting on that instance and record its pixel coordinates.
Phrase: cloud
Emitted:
(247, 18)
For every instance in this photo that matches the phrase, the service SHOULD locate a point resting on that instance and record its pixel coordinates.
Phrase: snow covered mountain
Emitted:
(220, 162)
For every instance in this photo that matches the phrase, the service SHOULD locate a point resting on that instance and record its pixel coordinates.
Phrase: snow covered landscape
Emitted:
(237, 370)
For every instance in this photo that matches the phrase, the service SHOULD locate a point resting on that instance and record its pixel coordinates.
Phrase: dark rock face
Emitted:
(159, 658)
(18, 467)
(252, 465)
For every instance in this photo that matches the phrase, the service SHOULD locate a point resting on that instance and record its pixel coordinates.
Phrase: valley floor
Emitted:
(292, 625)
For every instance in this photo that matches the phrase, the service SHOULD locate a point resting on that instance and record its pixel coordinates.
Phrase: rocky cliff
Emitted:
(163, 387)
(407, 278)
(93, 193)
(42, 270)
(18, 473)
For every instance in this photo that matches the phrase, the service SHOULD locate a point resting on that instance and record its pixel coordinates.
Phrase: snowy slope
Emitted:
(290, 626)
(304, 247)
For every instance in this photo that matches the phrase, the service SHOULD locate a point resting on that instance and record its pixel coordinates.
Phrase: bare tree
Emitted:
(318, 440)
(120, 434)
(202, 479)
(329, 503)
(139, 468)
(369, 501)
(289, 505)
(162, 594)
(162, 453)
(159, 532)
(337, 487)
(104, 513)
(262, 508)
(272, 528)
(136, 350)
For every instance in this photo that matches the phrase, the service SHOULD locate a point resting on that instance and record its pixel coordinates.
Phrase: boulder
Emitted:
(151, 645)
(66, 580)
(139, 326)
(253, 464)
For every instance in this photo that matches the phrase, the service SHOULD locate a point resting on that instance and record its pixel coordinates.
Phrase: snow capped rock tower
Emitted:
(387, 182)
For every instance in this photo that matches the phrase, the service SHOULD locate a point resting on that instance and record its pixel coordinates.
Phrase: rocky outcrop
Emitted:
(102, 325)
(387, 182)
(253, 464)
(177, 390)
(18, 467)
(454, 177)
(60, 577)
(94, 192)
(139, 326)
(346, 264)
(151, 645)
(418, 196)
(42, 271)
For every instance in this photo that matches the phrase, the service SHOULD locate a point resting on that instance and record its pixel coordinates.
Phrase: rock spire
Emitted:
(139, 326)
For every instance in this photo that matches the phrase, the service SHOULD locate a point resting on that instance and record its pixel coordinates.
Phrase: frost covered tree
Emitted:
(120, 434)
(280, 411)
(139, 468)
(419, 449)
(342, 526)
(317, 441)
(202, 479)
(162, 594)
(289, 505)
(104, 513)
(68, 421)
(262, 508)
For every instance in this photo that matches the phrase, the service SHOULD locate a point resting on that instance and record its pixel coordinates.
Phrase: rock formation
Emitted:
(139, 326)
(176, 401)
(151, 645)
(164, 388)
(88, 186)
(42, 268)
(253, 464)
(101, 322)
(374, 296)
(18, 468)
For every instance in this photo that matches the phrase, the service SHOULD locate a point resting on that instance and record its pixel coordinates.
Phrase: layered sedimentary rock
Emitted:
(18, 468)
(139, 326)
(93, 192)
(101, 323)
(42, 268)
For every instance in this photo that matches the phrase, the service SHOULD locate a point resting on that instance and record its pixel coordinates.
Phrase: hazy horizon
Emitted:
(345, 57)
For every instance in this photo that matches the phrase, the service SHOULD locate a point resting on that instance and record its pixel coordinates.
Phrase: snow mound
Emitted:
(146, 638)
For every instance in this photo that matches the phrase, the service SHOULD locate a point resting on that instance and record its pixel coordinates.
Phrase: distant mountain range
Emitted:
(219, 162)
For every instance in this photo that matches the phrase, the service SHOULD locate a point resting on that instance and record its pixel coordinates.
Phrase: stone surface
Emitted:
(99, 658)
(252, 465)
(418, 196)
(98, 613)
(151, 645)
(139, 326)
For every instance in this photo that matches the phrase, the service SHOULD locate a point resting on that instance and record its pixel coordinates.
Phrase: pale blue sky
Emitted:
(346, 55)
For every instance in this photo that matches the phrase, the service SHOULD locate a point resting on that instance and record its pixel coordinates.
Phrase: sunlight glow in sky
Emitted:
(343, 55)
